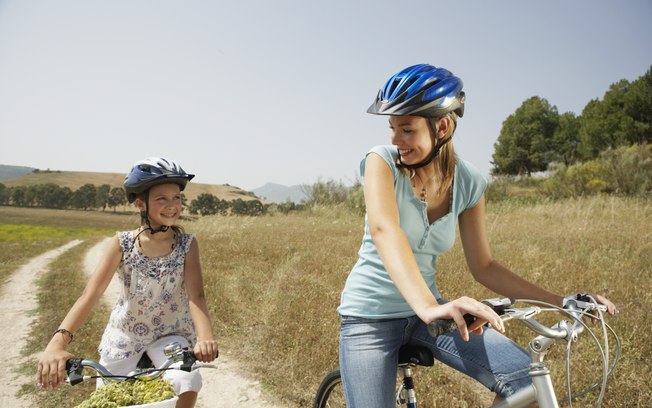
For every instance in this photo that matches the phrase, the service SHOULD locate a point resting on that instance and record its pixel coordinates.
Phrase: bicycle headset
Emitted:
(421, 90)
(151, 172)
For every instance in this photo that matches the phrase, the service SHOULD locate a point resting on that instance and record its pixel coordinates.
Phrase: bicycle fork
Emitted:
(406, 394)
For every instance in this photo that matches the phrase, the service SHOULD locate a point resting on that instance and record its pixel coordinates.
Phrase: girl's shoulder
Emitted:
(185, 240)
(126, 238)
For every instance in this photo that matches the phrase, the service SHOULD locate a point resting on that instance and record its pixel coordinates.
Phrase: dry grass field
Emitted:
(273, 284)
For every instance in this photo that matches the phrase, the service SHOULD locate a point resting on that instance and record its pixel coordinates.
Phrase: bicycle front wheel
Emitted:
(330, 393)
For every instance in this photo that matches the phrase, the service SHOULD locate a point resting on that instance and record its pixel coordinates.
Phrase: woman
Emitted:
(416, 192)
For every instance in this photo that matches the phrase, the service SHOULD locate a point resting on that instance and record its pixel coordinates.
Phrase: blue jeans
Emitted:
(369, 357)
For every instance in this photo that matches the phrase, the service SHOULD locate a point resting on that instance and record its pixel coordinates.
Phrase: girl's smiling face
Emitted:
(164, 206)
(412, 136)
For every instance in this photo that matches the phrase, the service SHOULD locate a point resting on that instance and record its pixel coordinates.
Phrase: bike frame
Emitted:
(541, 390)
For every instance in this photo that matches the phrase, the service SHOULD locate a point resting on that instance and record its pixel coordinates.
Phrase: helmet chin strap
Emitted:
(434, 153)
(144, 218)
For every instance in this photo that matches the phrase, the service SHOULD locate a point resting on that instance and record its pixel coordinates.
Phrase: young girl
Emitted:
(162, 297)
(417, 192)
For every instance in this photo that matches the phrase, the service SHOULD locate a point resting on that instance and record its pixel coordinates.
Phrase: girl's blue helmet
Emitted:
(420, 90)
(152, 171)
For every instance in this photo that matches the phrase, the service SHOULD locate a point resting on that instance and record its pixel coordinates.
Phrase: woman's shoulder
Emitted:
(467, 171)
(470, 184)
(386, 152)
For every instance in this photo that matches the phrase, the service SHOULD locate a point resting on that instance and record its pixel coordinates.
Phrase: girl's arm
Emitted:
(492, 274)
(52, 363)
(206, 348)
(399, 260)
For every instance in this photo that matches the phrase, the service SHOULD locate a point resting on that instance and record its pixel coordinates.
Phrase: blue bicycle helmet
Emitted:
(420, 90)
(153, 171)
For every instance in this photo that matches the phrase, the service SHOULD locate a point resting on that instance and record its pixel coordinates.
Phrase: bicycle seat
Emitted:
(418, 355)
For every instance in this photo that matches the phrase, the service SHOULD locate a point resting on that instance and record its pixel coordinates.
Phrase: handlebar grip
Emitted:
(189, 360)
(74, 369)
(443, 326)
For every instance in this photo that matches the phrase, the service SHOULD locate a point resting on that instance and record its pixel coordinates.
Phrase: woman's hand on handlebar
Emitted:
(51, 370)
(611, 307)
(206, 350)
(456, 310)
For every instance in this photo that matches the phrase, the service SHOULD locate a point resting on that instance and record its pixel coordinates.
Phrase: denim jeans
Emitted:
(369, 358)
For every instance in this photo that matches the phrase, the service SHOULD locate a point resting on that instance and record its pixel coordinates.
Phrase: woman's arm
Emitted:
(52, 363)
(398, 258)
(492, 274)
(206, 347)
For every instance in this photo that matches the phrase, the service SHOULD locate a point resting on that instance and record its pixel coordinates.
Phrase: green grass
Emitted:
(273, 284)
(25, 233)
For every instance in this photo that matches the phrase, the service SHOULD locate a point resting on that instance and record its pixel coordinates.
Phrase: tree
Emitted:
(117, 196)
(566, 139)
(622, 118)
(18, 196)
(85, 197)
(525, 144)
(51, 195)
(205, 204)
(102, 196)
(602, 122)
(638, 106)
(4, 194)
(250, 207)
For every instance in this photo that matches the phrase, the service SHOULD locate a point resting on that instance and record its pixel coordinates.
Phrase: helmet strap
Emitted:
(434, 153)
(144, 218)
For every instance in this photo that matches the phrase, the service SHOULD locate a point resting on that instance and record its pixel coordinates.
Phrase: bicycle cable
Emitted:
(606, 371)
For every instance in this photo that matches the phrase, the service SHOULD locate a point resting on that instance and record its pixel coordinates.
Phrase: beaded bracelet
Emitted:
(65, 331)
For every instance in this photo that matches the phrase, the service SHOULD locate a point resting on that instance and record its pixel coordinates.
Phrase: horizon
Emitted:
(245, 94)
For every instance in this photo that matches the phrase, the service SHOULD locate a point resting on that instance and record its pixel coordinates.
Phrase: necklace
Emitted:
(423, 195)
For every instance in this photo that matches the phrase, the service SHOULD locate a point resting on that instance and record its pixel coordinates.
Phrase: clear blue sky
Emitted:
(248, 92)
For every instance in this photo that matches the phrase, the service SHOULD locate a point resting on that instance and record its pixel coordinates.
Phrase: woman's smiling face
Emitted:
(412, 136)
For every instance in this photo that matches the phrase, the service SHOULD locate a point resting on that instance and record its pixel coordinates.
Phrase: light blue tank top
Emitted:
(369, 291)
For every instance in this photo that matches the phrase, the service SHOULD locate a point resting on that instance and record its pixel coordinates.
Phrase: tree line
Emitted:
(51, 195)
(92, 197)
(536, 136)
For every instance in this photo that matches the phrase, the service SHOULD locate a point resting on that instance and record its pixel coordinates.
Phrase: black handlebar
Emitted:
(75, 366)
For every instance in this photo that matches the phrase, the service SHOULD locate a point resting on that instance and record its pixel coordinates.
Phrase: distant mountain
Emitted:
(279, 193)
(9, 172)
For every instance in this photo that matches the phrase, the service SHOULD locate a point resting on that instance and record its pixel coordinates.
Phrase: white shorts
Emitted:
(182, 381)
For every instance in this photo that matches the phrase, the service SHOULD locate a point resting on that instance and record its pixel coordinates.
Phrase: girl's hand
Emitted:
(457, 308)
(206, 350)
(51, 369)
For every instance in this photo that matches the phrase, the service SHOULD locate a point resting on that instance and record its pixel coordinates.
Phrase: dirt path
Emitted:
(225, 386)
(17, 302)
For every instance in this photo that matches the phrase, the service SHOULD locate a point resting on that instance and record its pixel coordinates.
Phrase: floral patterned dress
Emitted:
(153, 302)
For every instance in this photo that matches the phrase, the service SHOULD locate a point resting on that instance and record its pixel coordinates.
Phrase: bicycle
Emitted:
(145, 370)
(330, 393)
